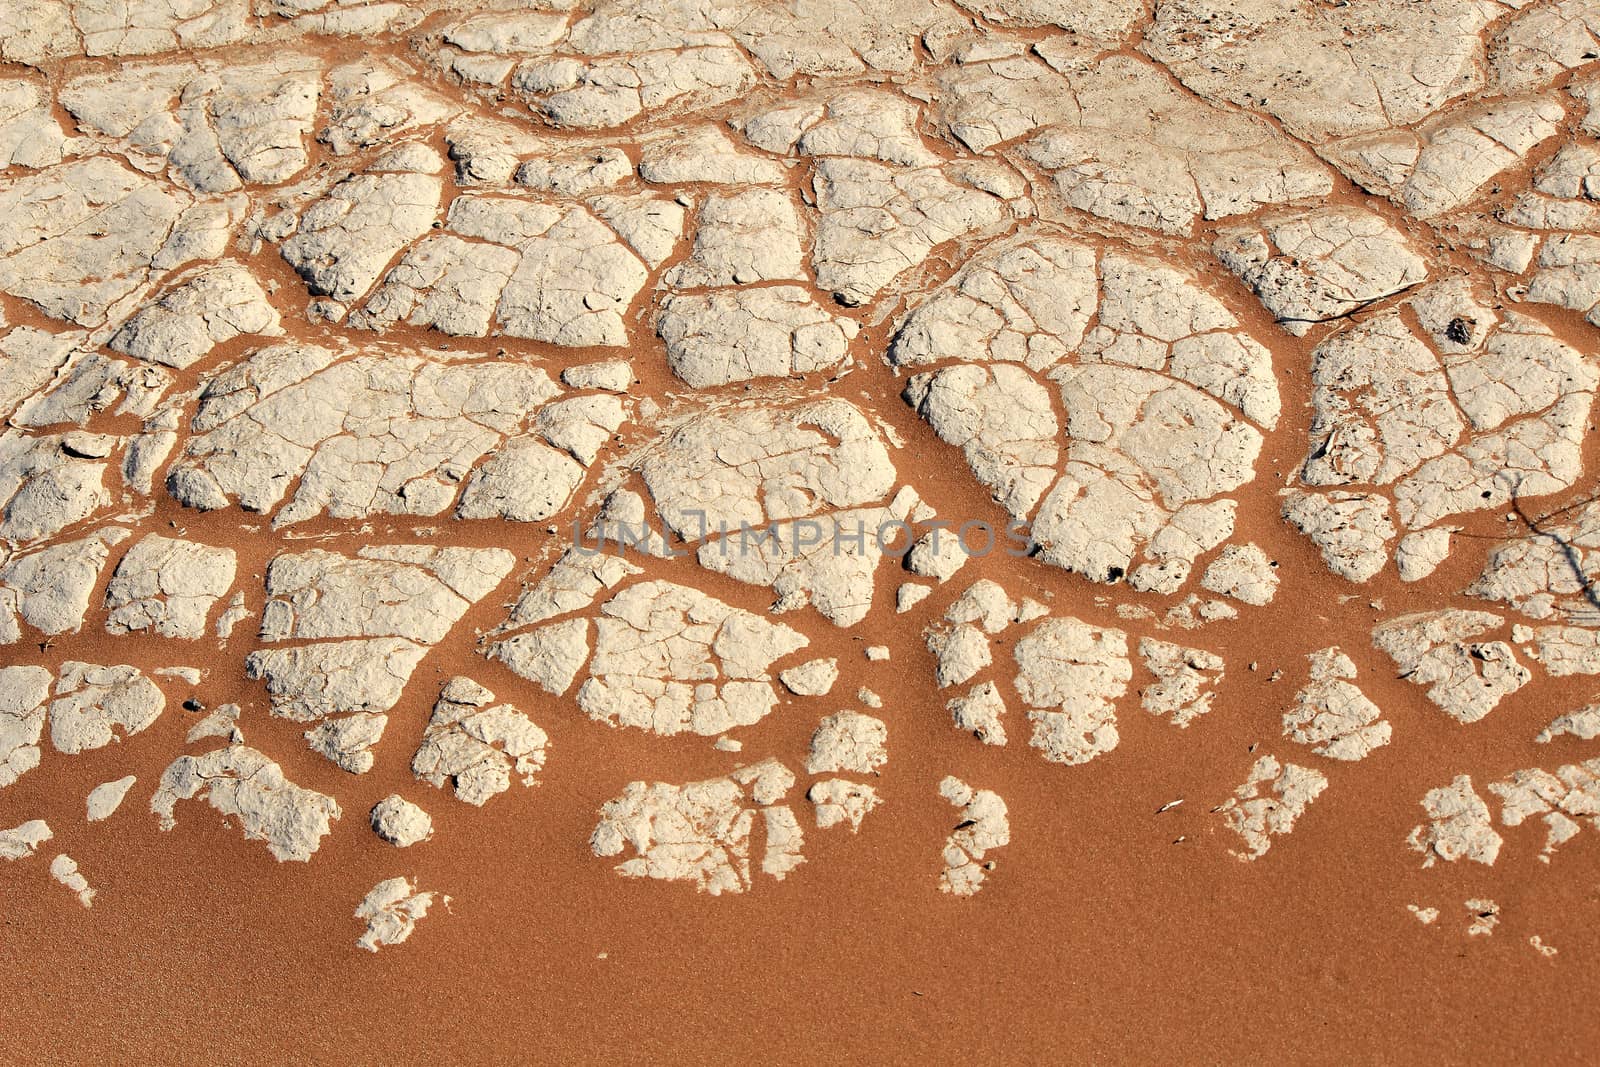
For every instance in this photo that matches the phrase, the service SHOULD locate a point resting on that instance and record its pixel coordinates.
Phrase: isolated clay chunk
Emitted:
(391, 911)
(246, 786)
(400, 822)
(476, 745)
(1270, 802)
(700, 832)
(984, 826)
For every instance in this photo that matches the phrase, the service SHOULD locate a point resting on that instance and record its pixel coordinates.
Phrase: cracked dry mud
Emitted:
(849, 529)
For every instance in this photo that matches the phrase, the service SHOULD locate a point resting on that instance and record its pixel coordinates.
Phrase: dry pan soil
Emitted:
(648, 532)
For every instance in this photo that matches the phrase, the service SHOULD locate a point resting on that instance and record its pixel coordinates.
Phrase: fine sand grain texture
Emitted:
(799, 531)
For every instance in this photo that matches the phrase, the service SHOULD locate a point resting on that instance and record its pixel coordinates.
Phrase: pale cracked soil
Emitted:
(335, 336)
